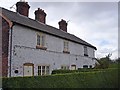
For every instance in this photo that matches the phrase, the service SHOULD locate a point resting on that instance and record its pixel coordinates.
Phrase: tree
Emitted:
(104, 62)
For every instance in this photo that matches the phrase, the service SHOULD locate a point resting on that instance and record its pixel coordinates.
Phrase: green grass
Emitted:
(107, 78)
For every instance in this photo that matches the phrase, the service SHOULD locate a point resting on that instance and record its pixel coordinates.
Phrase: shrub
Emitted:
(74, 71)
(100, 79)
(103, 63)
(63, 71)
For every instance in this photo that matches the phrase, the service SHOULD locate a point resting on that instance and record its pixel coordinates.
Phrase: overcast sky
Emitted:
(93, 21)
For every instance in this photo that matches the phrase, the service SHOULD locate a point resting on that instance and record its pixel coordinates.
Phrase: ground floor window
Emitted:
(63, 67)
(90, 66)
(43, 70)
(85, 66)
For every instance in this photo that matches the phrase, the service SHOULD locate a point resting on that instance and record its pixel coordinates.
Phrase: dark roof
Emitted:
(26, 21)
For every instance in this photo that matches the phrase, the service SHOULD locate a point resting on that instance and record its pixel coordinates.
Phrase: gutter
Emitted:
(11, 33)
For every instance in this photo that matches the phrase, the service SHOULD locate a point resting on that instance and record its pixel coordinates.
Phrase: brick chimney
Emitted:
(63, 25)
(22, 7)
(40, 15)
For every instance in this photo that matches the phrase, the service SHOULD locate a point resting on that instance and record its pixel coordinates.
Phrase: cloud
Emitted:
(95, 23)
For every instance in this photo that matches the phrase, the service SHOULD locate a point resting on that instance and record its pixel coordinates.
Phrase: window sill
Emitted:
(86, 55)
(41, 47)
(66, 52)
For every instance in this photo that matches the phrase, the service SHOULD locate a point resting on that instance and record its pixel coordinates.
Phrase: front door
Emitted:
(73, 67)
(28, 70)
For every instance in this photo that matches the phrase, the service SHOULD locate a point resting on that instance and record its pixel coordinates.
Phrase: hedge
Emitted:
(96, 79)
(75, 71)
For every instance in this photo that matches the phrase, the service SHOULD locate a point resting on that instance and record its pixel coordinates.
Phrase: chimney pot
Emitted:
(40, 15)
(22, 8)
(63, 25)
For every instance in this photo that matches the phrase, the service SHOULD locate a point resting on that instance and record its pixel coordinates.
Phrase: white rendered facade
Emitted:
(24, 52)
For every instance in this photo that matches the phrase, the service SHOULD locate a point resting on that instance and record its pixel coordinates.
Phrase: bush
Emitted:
(64, 71)
(103, 63)
(74, 71)
(101, 79)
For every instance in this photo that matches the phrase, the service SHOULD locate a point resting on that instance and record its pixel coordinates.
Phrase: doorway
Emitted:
(28, 69)
(73, 67)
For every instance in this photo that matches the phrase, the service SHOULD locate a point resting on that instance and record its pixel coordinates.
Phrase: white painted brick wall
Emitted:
(24, 51)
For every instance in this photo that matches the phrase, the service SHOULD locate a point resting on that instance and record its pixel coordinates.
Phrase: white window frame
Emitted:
(40, 70)
(66, 46)
(64, 67)
(41, 39)
(85, 51)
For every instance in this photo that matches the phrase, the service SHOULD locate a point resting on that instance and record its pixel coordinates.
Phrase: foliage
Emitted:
(104, 62)
(74, 71)
(114, 65)
(106, 78)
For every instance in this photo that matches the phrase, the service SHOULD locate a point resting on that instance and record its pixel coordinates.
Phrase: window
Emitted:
(43, 70)
(64, 67)
(66, 47)
(47, 70)
(90, 66)
(85, 66)
(41, 41)
(39, 70)
(85, 51)
(38, 39)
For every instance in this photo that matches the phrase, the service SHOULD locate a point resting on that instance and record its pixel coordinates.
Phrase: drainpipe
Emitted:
(11, 33)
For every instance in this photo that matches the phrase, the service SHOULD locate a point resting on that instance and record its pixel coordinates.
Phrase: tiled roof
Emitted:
(31, 23)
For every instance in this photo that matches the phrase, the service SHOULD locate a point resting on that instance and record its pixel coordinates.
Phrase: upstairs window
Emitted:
(38, 40)
(41, 41)
(85, 51)
(66, 47)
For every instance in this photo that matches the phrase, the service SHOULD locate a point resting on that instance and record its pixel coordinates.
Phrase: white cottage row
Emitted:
(35, 48)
